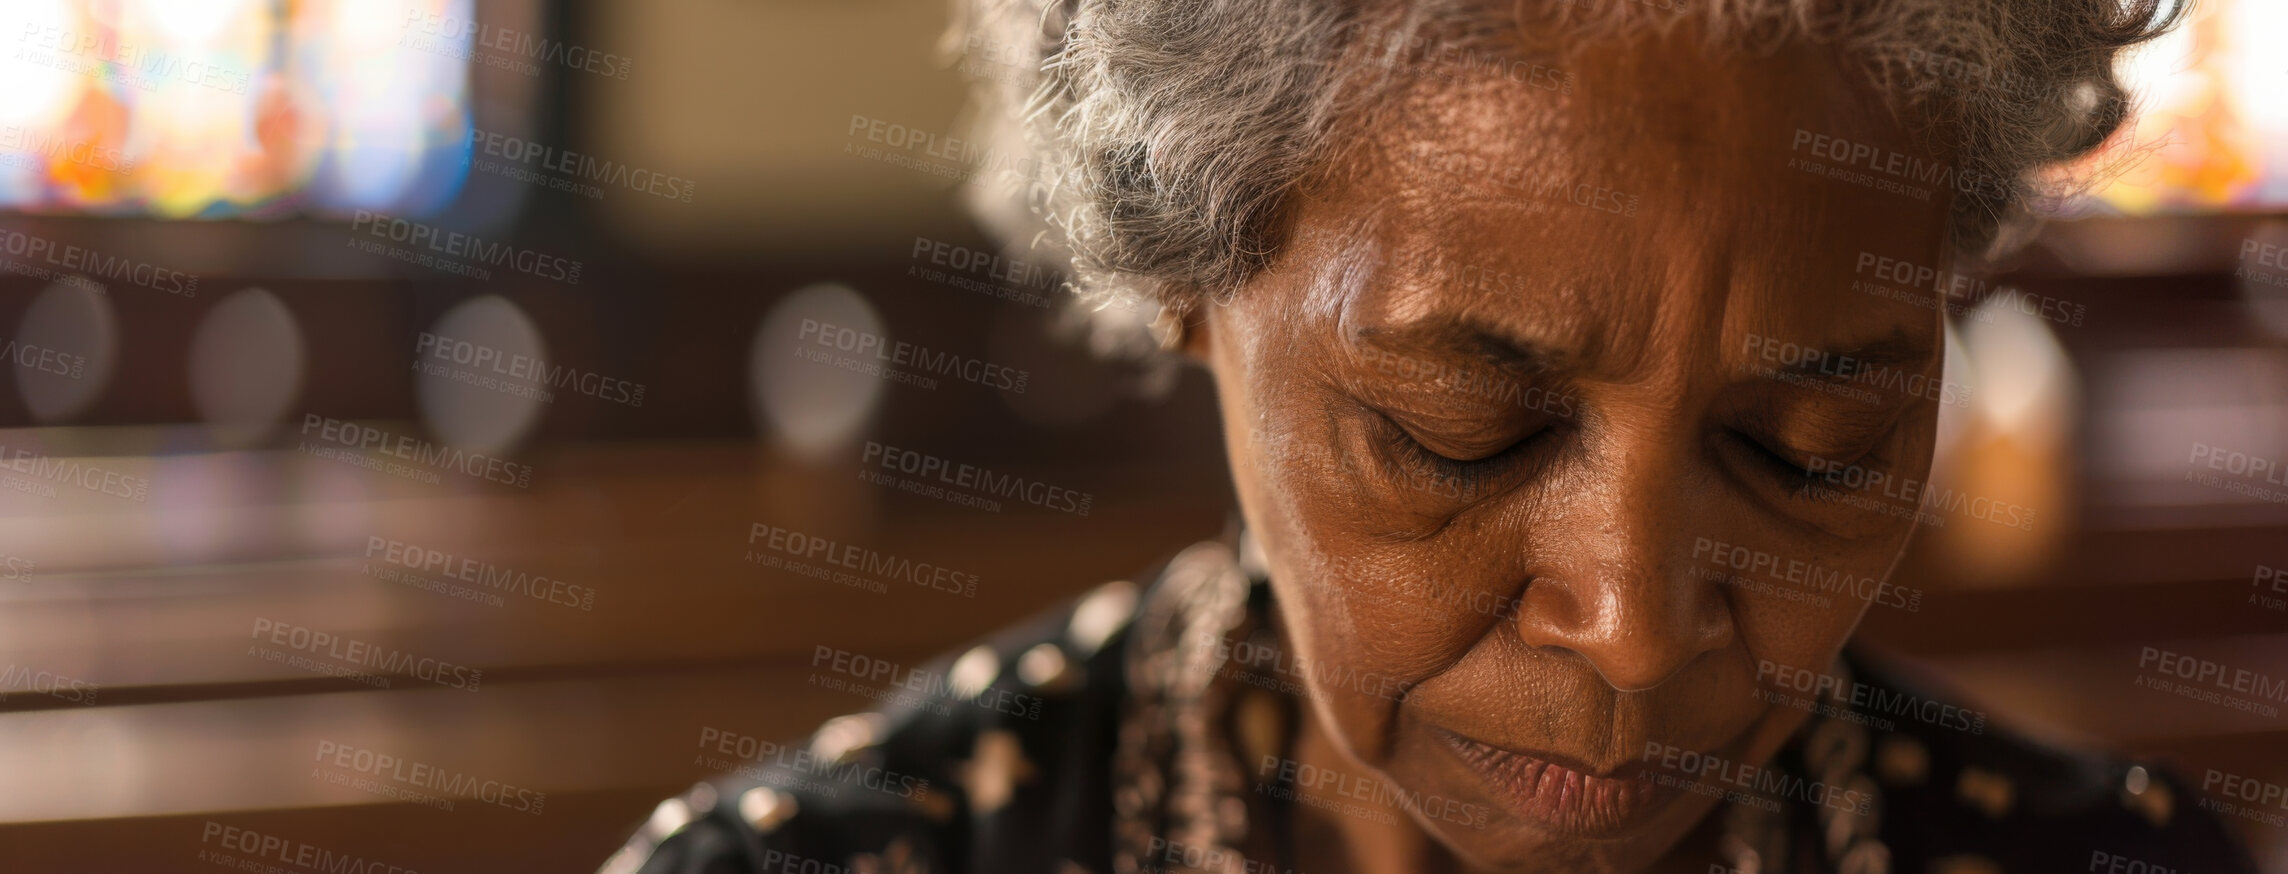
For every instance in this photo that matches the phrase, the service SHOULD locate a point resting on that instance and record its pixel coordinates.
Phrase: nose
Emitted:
(1614, 585)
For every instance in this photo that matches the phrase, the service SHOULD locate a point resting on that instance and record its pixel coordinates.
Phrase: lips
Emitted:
(1556, 796)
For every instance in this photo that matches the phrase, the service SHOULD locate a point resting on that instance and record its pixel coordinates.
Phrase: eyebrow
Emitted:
(1895, 351)
(1474, 338)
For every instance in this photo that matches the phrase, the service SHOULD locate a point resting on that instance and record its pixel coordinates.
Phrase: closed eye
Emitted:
(1424, 462)
(1808, 476)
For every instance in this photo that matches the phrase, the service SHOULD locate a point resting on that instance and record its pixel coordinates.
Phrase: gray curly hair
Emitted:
(1161, 137)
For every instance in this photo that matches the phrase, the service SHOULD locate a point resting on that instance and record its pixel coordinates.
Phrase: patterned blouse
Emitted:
(1112, 735)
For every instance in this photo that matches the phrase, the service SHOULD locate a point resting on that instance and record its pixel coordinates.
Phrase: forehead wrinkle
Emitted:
(1422, 283)
(1412, 278)
(1677, 264)
(1687, 280)
(1431, 236)
(1816, 274)
(1551, 140)
(1354, 236)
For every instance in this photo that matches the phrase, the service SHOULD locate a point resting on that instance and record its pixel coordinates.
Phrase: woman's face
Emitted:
(1528, 420)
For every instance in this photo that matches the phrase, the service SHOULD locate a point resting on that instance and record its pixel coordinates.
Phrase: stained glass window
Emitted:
(232, 108)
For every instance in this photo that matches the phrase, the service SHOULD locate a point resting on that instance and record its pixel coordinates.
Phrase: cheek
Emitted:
(1279, 465)
(1361, 598)
(1375, 621)
(1399, 612)
(1359, 658)
(1370, 619)
(1799, 614)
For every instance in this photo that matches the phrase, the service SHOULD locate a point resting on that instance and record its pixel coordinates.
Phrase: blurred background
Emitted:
(444, 380)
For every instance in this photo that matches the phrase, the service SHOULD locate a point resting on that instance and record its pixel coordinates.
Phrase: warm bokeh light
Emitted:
(2009, 444)
(809, 397)
(246, 366)
(65, 350)
(480, 375)
(2212, 128)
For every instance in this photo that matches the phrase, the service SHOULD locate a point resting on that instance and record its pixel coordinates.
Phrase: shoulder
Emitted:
(1964, 795)
(992, 758)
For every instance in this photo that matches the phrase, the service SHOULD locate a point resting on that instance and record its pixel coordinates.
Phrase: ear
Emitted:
(1183, 330)
(1195, 339)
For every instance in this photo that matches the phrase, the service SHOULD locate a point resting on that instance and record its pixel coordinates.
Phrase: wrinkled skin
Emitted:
(1591, 370)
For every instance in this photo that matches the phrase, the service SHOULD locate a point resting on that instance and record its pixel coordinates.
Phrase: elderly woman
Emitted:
(1564, 348)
